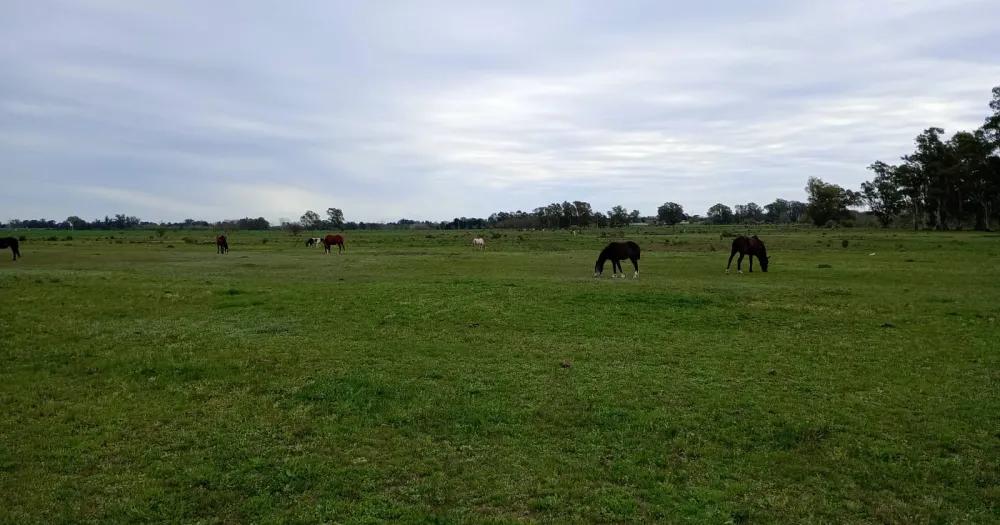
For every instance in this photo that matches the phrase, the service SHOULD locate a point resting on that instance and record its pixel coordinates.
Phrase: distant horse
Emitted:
(11, 242)
(617, 251)
(479, 243)
(221, 244)
(330, 240)
(314, 241)
(752, 247)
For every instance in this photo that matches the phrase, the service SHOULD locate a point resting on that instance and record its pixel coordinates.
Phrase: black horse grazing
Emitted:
(617, 251)
(752, 247)
(10, 242)
(221, 244)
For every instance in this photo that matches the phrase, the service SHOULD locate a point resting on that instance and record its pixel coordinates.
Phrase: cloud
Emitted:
(443, 109)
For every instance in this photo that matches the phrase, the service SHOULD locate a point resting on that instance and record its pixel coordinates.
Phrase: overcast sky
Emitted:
(432, 110)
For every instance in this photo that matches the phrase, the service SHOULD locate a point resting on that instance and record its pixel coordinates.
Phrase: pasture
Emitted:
(415, 378)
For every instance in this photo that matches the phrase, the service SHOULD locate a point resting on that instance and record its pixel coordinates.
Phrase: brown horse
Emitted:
(331, 240)
(753, 247)
(221, 244)
(12, 243)
(617, 251)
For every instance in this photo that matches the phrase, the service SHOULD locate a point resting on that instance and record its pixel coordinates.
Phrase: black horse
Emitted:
(752, 247)
(10, 242)
(617, 251)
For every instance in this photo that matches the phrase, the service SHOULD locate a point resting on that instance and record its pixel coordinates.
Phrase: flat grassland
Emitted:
(145, 378)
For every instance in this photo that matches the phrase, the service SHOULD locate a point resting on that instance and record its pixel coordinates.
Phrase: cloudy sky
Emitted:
(433, 110)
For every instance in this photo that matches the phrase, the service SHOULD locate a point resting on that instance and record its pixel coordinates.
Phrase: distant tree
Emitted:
(930, 160)
(882, 194)
(293, 228)
(601, 220)
(634, 216)
(720, 214)
(991, 128)
(977, 177)
(310, 220)
(776, 212)
(749, 212)
(796, 211)
(670, 213)
(617, 216)
(584, 214)
(335, 217)
(247, 223)
(828, 202)
(76, 223)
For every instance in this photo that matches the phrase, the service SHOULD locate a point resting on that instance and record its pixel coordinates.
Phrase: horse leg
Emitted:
(751, 263)
(739, 263)
(731, 255)
(635, 264)
(621, 271)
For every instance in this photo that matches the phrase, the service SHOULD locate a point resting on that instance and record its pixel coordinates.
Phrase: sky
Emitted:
(435, 109)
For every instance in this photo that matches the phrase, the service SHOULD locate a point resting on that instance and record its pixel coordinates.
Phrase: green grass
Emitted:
(415, 379)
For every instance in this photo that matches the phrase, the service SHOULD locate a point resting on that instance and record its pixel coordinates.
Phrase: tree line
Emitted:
(945, 183)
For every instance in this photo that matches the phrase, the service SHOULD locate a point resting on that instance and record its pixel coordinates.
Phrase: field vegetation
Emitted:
(145, 378)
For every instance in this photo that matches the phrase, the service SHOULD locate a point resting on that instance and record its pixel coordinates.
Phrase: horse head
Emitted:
(599, 266)
(764, 260)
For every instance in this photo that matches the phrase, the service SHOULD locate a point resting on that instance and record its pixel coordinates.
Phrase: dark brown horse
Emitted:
(617, 251)
(750, 246)
(11, 242)
(221, 244)
(331, 240)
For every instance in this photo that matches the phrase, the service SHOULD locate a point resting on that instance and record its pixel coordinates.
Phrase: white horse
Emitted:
(479, 242)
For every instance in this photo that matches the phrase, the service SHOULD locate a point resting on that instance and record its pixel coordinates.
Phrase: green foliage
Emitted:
(943, 184)
(828, 202)
(670, 213)
(720, 214)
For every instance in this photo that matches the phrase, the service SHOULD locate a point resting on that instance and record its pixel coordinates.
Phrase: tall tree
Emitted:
(76, 223)
(335, 217)
(828, 202)
(749, 212)
(617, 216)
(584, 213)
(310, 220)
(670, 213)
(882, 194)
(931, 160)
(720, 214)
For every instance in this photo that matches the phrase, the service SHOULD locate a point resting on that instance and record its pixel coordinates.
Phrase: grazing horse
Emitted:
(221, 244)
(479, 243)
(314, 241)
(751, 246)
(11, 242)
(330, 240)
(617, 251)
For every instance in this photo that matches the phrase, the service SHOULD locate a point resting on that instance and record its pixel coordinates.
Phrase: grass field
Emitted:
(415, 379)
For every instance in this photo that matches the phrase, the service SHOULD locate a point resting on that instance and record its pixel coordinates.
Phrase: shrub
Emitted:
(22, 238)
